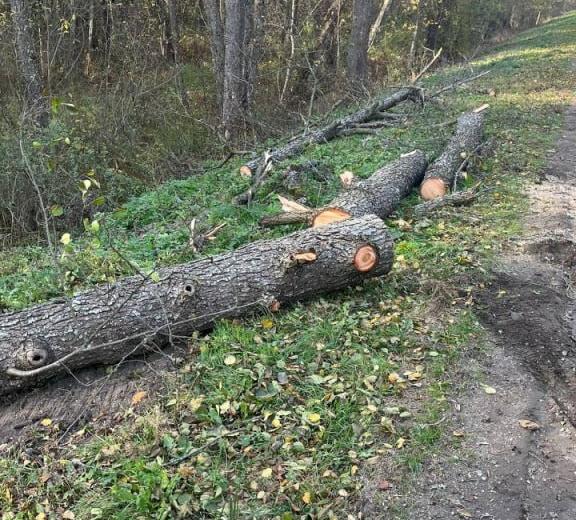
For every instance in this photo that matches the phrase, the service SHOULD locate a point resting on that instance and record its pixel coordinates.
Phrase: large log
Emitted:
(110, 323)
(297, 145)
(379, 195)
(440, 177)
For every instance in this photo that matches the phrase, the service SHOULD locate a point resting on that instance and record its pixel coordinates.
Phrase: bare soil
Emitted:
(500, 470)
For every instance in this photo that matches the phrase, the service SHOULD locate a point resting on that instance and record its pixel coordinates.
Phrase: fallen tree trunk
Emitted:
(108, 324)
(297, 145)
(441, 175)
(379, 195)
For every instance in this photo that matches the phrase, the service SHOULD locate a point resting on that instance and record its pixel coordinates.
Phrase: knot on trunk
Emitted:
(33, 354)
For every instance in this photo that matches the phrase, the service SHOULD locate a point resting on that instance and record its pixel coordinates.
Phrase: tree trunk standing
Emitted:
(35, 103)
(110, 323)
(362, 17)
(212, 10)
(234, 87)
(253, 36)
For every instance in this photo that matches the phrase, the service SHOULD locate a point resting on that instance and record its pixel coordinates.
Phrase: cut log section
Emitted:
(297, 145)
(379, 195)
(441, 175)
(110, 323)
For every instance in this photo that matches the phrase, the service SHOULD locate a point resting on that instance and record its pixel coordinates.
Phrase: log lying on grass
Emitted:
(108, 324)
(380, 195)
(297, 145)
(441, 175)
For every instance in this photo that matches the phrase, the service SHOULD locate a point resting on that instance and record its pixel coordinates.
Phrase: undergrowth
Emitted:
(276, 418)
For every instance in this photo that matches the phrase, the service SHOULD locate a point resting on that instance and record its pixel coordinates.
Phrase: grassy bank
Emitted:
(278, 417)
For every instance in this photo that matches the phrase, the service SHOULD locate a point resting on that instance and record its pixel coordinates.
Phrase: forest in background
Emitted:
(102, 98)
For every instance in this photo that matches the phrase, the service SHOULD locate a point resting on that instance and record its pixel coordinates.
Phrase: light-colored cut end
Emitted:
(329, 216)
(433, 189)
(245, 171)
(365, 259)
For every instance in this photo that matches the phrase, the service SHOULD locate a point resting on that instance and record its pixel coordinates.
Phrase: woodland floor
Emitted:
(297, 415)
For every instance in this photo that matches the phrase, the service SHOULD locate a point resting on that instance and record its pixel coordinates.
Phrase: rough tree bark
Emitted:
(110, 323)
(379, 195)
(439, 178)
(297, 145)
(35, 101)
(362, 17)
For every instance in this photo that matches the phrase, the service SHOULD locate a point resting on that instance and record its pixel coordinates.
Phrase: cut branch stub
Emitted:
(366, 259)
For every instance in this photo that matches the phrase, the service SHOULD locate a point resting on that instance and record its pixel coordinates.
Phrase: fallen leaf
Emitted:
(196, 403)
(138, 397)
(230, 360)
(46, 422)
(68, 515)
(266, 473)
(267, 324)
(529, 425)
(307, 497)
(464, 514)
(489, 390)
(458, 433)
(314, 418)
(400, 443)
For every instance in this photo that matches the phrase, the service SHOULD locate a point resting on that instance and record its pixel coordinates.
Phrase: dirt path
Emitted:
(504, 471)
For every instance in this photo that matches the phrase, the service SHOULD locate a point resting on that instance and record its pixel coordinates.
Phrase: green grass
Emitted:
(282, 414)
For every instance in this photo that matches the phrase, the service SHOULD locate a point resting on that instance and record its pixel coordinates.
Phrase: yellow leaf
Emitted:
(46, 422)
(276, 423)
(314, 418)
(489, 390)
(307, 497)
(138, 397)
(458, 433)
(68, 515)
(40, 516)
(65, 239)
(266, 473)
(230, 360)
(400, 443)
(196, 403)
(267, 324)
